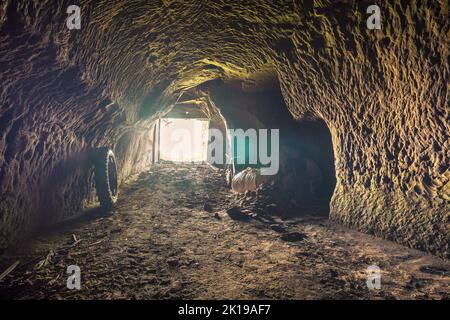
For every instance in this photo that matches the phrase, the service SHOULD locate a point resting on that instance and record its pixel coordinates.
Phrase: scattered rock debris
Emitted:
(235, 213)
(161, 243)
(293, 236)
(270, 199)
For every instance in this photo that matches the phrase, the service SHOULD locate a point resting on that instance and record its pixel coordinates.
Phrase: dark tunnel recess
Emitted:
(305, 181)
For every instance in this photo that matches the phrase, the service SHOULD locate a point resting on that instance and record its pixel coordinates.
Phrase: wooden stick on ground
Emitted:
(9, 270)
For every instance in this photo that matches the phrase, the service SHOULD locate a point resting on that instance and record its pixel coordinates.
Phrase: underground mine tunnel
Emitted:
(222, 149)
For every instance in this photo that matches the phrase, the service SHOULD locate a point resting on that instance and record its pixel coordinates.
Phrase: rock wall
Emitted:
(51, 120)
(382, 93)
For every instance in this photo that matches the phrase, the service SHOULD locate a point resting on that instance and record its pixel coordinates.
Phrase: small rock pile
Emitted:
(267, 199)
(272, 198)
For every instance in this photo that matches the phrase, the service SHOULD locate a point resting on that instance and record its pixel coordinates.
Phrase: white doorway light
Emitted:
(183, 140)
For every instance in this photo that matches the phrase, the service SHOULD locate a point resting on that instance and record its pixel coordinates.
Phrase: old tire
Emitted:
(105, 173)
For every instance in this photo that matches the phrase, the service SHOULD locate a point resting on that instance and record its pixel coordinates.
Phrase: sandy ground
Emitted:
(171, 237)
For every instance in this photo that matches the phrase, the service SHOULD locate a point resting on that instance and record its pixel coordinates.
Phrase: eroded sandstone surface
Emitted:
(382, 93)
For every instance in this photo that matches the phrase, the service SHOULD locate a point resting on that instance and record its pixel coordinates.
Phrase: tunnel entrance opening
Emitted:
(183, 140)
(308, 168)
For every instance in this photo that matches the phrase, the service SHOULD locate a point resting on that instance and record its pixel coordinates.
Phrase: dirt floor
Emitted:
(171, 237)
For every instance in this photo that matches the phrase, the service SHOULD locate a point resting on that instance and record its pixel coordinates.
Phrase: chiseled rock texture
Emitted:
(382, 93)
